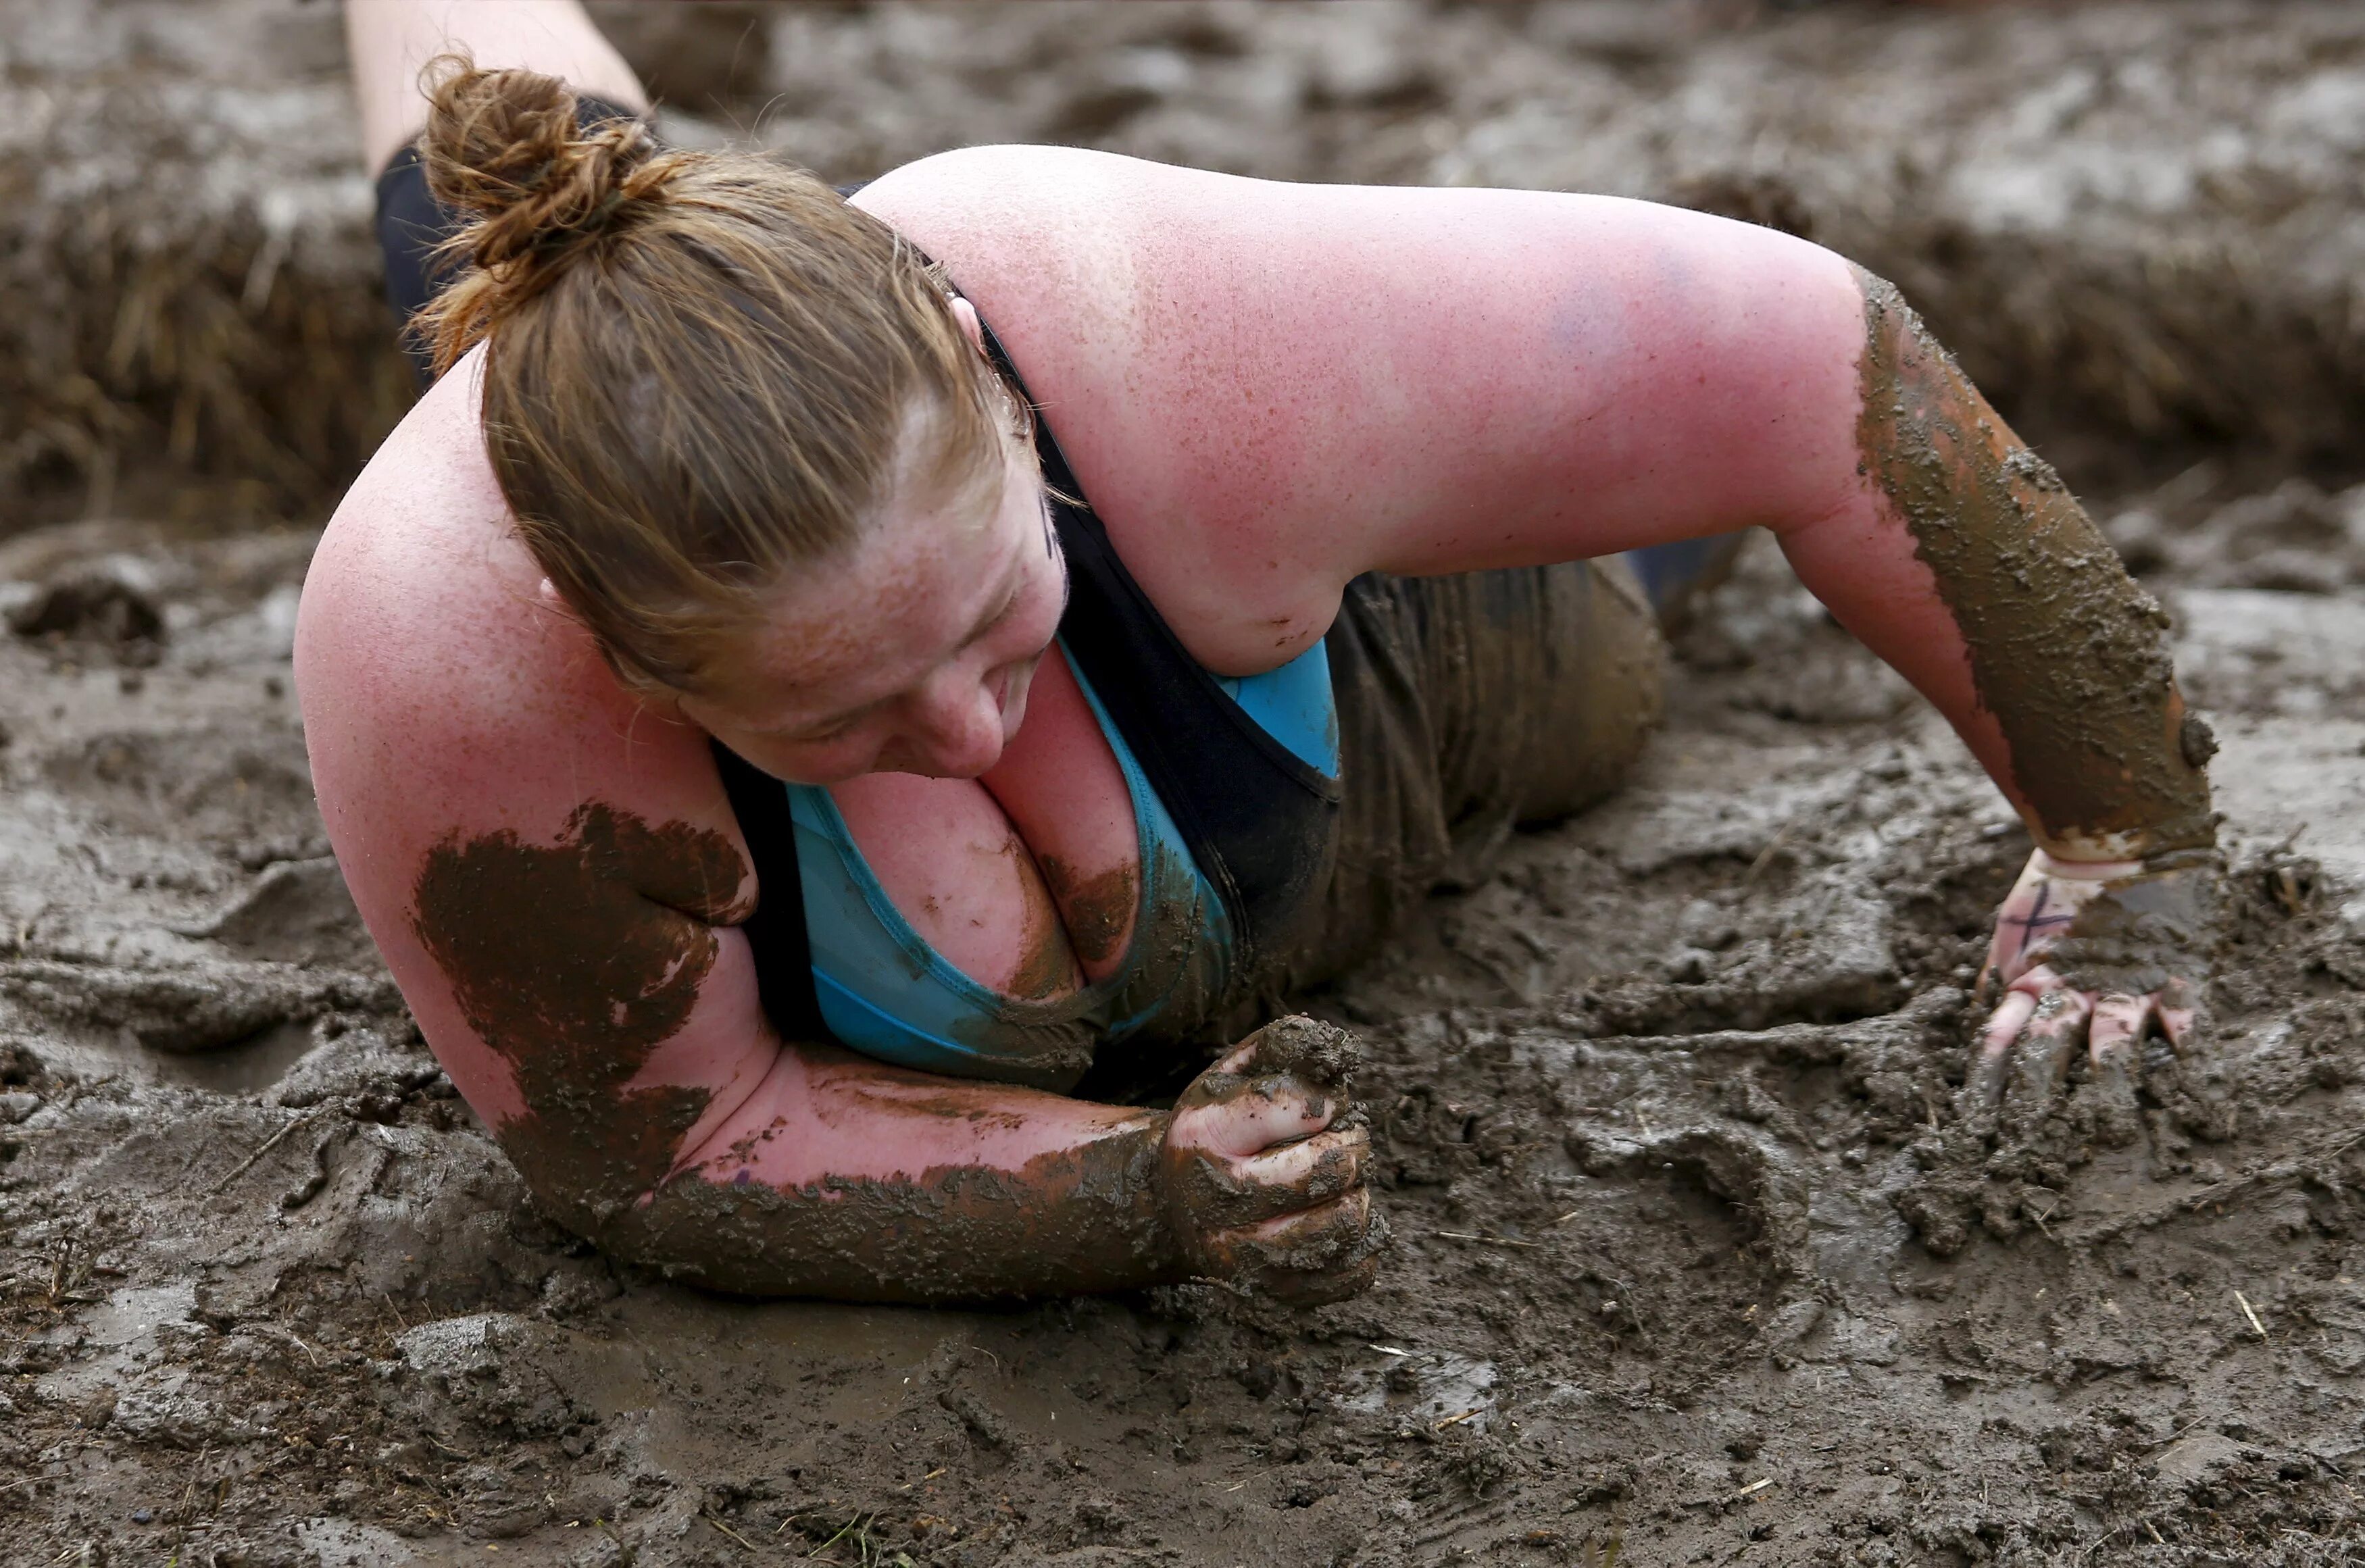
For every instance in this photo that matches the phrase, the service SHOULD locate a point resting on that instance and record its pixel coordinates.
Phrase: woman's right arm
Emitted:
(554, 875)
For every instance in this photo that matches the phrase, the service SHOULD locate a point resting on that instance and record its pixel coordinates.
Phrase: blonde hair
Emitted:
(700, 369)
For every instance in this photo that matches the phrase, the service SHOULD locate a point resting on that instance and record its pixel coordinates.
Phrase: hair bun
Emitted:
(505, 146)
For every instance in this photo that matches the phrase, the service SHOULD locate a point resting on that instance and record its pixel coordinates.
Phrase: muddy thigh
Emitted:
(1467, 705)
(573, 961)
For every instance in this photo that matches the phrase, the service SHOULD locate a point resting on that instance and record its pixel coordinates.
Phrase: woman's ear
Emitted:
(971, 328)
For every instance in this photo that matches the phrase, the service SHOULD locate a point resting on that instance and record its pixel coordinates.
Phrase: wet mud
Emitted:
(1696, 1253)
(2068, 655)
(1663, 1126)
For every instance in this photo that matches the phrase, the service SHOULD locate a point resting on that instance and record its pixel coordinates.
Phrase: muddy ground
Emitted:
(1697, 1260)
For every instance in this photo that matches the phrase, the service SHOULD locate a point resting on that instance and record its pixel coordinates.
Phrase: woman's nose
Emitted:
(959, 723)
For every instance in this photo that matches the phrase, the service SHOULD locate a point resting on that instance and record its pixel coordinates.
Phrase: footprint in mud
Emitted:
(1688, 1239)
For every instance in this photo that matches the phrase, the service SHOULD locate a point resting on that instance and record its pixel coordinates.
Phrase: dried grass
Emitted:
(199, 368)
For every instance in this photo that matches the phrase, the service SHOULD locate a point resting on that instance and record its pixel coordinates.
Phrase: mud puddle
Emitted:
(1691, 1258)
(1694, 1263)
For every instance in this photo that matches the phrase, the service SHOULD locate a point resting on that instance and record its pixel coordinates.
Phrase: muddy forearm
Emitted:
(1018, 1194)
(586, 966)
(2067, 655)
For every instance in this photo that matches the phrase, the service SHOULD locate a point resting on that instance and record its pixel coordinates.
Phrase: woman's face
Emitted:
(911, 653)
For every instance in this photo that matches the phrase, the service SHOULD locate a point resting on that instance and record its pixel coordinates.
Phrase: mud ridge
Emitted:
(194, 329)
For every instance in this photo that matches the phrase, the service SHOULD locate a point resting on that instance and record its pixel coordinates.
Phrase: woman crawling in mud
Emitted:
(819, 686)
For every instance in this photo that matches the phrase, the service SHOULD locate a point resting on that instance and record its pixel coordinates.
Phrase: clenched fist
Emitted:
(1262, 1175)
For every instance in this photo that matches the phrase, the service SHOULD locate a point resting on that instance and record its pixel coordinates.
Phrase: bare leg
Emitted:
(390, 39)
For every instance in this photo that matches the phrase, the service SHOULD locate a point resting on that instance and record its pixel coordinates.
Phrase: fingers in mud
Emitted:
(1298, 1176)
(1310, 1257)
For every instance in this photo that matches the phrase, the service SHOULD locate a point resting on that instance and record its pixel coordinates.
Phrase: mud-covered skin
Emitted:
(2110, 952)
(573, 961)
(1081, 1219)
(1287, 1215)
(2070, 658)
(1256, 1178)
(1047, 967)
(1098, 910)
(2145, 934)
(2066, 651)
(2115, 927)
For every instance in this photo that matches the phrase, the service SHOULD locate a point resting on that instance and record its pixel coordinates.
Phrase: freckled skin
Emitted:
(1266, 391)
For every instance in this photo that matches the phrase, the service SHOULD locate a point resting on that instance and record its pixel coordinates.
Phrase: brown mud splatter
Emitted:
(2066, 652)
(942, 1104)
(1099, 910)
(574, 962)
(1087, 1219)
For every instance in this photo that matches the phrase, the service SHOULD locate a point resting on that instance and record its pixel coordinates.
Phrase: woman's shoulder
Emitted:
(418, 580)
(1023, 208)
(987, 177)
(442, 689)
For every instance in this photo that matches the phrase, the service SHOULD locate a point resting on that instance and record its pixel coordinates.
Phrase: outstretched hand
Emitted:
(2099, 953)
(1263, 1183)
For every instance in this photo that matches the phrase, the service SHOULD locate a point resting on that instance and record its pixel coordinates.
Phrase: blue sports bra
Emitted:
(884, 992)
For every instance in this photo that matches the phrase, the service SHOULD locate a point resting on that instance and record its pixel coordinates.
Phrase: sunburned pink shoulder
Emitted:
(503, 811)
(1268, 389)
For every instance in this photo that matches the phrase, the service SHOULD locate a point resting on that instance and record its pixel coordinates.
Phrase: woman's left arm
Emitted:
(1737, 376)
(1960, 542)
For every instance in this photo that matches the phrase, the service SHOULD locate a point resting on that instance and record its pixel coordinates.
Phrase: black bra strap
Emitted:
(776, 930)
(1257, 819)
